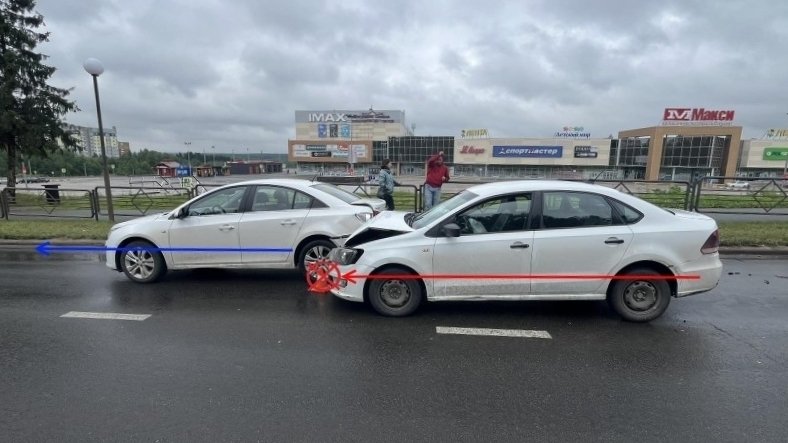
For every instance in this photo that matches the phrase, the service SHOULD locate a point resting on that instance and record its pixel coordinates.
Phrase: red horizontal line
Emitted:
(521, 277)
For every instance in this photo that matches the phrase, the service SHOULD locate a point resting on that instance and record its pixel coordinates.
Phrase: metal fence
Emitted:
(53, 201)
(718, 195)
(740, 195)
(130, 201)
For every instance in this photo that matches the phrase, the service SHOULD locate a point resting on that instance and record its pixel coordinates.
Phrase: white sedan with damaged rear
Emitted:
(269, 223)
(531, 240)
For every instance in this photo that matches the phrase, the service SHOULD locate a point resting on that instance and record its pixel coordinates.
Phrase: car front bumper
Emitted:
(352, 288)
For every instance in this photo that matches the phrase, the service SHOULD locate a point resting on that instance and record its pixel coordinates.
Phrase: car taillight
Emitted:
(712, 245)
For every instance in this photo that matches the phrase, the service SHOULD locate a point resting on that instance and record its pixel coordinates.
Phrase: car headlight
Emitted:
(363, 216)
(344, 256)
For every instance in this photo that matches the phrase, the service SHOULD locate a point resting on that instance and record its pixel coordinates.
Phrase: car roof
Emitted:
(294, 182)
(539, 185)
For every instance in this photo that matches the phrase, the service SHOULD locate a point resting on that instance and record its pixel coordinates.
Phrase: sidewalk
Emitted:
(781, 251)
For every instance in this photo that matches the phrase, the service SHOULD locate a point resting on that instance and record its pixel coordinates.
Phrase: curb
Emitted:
(724, 250)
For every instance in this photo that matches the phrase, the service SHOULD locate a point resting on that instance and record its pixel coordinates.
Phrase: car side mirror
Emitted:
(182, 213)
(451, 230)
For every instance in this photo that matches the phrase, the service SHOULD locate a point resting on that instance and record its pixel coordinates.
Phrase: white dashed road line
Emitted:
(106, 316)
(524, 333)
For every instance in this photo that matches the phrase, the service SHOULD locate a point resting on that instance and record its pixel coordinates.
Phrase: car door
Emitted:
(210, 223)
(494, 241)
(580, 234)
(274, 220)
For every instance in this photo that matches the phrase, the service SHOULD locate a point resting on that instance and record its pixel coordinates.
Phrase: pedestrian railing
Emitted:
(50, 201)
(132, 201)
(741, 195)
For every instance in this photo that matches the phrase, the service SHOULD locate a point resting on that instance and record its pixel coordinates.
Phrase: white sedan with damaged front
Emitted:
(531, 240)
(269, 223)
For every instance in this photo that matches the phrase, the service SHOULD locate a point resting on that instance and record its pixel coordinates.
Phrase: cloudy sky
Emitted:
(231, 73)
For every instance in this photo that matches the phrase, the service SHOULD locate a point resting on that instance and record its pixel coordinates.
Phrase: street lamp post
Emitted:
(188, 155)
(95, 68)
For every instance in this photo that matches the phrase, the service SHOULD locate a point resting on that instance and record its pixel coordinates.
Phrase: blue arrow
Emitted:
(46, 248)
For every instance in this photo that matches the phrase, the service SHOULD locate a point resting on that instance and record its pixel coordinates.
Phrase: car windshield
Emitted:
(441, 209)
(335, 191)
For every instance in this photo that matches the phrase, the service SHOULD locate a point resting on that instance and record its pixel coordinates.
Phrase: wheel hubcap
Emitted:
(640, 296)
(139, 263)
(394, 293)
(315, 254)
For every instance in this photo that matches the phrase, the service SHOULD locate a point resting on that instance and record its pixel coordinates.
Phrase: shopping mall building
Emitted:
(689, 143)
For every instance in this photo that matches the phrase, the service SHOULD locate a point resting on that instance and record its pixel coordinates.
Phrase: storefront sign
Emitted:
(321, 154)
(316, 147)
(349, 116)
(777, 133)
(775, 154)
(572, 132)
(684, 116)
(586, 152)
(471, 150)
(528, 151)
(474, 133)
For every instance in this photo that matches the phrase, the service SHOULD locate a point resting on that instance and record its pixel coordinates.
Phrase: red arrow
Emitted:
(351, 277)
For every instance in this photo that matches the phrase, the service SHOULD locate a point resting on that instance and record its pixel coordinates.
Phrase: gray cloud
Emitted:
(230, 74)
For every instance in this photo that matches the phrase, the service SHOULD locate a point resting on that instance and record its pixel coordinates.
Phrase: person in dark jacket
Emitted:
(437, 175)
(386, 182)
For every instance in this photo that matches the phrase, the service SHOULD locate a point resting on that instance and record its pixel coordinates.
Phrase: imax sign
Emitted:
(326, 117)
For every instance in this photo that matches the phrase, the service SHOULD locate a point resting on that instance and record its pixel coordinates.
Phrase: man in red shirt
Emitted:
(437, 174)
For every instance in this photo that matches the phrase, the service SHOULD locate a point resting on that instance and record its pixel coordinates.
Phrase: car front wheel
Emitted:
(395, 296)
(640, 299)
(140, 264)
(314, 251)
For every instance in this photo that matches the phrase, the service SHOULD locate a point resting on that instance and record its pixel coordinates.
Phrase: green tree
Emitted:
(31, 111)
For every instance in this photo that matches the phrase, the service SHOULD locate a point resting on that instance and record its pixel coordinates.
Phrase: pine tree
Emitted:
(31, 111)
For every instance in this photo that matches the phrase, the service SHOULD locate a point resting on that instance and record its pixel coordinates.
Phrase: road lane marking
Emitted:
(106, 316)
(525, 333)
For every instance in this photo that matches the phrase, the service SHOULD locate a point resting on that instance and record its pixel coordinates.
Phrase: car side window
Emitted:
(302, 201)
(574, 210)
(502, 214)
(628, 214)
(225, 201)
(273, 198)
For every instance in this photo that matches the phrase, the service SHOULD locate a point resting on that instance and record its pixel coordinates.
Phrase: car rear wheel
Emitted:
(395, 297)
(640, 299)
(140, 264)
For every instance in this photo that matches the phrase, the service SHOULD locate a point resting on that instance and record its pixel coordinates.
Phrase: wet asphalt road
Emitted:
(251, 356)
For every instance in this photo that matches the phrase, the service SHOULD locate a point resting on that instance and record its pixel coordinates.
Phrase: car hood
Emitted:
(139, 220)
(384, 225)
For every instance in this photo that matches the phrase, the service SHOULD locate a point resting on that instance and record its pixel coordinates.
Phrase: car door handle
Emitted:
(614, 241)
(519, 245)
(287, 222)
(226, 228)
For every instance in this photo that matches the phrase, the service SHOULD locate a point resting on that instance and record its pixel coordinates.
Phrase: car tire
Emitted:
(314, 250)
(640, 300)
(394, 297)
(140, 265)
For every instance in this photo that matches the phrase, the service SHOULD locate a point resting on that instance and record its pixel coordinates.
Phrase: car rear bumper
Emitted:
(708, 268)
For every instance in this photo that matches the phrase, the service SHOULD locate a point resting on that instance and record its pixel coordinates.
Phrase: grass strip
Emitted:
(756, 233)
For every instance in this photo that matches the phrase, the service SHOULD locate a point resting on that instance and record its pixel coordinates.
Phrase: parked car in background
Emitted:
(32, 180)
(738, 184)
(310, 218)
(530, 240)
